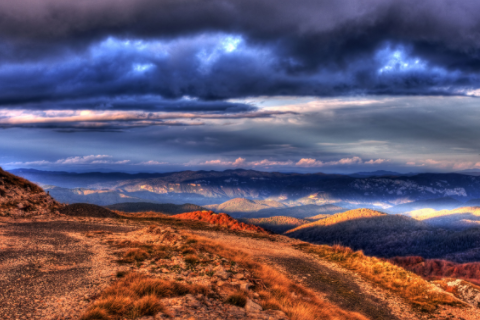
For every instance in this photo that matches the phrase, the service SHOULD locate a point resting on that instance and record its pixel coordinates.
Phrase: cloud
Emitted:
(77, 160)
(308, 162)
(151, 163)
(92, 52)
(444, 164)
(116, 120)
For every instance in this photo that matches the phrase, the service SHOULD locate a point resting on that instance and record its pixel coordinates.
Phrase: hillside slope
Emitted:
(434, 269)
(395, 235)
(19, 197)
(220, 219)
(278, 224)
(340, 217)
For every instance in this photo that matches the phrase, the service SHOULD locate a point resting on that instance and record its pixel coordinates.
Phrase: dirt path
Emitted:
(331, 282)
(48, 270)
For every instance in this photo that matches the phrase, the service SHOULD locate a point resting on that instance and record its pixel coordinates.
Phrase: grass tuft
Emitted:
(95, 314)
(238, 299)
(135, 254)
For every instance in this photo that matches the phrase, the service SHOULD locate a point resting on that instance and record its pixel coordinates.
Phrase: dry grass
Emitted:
(238, 299)
(137, 295)
(408, 285)
(274, 288)
(135, 254)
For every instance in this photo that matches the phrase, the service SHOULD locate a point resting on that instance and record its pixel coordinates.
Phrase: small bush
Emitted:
(238, 299)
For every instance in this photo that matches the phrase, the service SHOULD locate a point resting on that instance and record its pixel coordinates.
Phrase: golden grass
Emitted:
(274, 288)
(407, 285)
(137, 295)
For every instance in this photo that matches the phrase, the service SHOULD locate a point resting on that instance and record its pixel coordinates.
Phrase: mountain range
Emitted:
(215, 187)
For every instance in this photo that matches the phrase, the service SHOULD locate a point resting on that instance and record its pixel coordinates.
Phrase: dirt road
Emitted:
(48, 270)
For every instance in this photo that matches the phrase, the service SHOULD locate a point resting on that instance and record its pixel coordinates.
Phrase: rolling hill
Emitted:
(340, 217)
(385, 235)
(220, 219)
(278, 224)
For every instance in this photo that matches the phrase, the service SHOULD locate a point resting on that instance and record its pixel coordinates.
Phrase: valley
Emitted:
(358, 263)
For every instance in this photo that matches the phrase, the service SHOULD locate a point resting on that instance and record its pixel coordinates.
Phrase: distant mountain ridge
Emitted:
(165, 208)
(207, 187)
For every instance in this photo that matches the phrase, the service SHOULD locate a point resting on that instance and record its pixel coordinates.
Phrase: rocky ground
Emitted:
(56, 268)
(48, 270)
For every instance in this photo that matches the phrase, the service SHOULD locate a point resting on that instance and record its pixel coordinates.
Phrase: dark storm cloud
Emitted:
(310, 30)
(301, 47)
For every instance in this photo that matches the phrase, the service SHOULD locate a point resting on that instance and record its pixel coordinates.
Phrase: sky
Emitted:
(293, 86)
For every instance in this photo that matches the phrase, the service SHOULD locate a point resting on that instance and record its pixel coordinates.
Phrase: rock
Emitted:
(277, 314)
(256, 295)
(221, 273)
(251, 306)
(240, 276)
(245, 285)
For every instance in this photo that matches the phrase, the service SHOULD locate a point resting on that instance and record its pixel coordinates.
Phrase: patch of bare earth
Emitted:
(49, 270)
